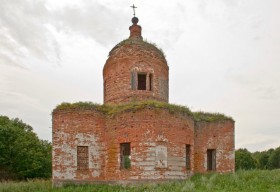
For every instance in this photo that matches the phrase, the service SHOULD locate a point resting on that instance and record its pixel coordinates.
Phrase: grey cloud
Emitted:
(94, 20)
(10, 60)
(24, 31)
(25, 28)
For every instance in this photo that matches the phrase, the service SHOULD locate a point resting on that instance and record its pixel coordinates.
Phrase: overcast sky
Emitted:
(223, 55)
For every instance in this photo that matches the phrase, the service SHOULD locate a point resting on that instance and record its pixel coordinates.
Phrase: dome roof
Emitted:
(136, 43)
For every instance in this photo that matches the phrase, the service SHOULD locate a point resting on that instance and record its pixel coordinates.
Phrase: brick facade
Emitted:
(136, 144)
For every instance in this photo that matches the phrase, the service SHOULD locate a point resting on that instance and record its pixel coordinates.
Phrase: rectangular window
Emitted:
(82, 157)
(125, 156)
(188, 157)
(151, 82)
(141, 81)
(211, 159)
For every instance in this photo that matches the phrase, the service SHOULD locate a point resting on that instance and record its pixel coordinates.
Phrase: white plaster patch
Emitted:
(66, 159)
(161, 138)
(85, 139)
(161, 156)
(96, 173)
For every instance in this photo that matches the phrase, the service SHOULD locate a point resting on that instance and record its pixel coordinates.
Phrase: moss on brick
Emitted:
(134, 106)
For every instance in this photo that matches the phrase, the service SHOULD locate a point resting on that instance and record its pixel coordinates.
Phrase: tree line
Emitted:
(269, 159)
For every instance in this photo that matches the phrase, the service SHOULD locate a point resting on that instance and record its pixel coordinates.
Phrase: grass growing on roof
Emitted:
(114, 109)
(77, 105)
(134, 106)
(209, 117)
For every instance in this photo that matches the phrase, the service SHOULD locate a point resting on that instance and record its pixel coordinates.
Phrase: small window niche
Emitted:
(188, 157)
(141, 77)
(211, 159)
(125, 156)
(82, 158)
(151, 82)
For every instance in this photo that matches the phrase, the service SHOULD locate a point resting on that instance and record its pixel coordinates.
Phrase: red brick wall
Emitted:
(146, 130)
(72, 129)
(215, 135)
(129, 58)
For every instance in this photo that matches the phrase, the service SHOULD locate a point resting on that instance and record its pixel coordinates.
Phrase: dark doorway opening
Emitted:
(188, 157)
(211, 159)
(125, 156)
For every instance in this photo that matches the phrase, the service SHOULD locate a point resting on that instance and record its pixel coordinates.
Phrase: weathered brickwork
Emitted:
(142, 130)
(215, 135)
(137, 136)
(103, 135)
(72, 129)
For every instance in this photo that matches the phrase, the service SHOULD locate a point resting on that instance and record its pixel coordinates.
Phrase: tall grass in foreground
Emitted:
(251, 181)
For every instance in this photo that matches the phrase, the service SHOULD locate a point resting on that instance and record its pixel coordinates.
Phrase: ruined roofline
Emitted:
(135, 106)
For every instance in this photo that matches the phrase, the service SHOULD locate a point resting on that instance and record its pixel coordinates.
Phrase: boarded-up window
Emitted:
(211, 159)
(161, 156)
(188, 157)
(82, 157)
(125, 156)
(141, 81)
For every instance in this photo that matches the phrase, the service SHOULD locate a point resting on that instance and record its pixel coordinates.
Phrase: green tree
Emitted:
(22, 153)
(274, 159)
(244, 160)
(262, 158)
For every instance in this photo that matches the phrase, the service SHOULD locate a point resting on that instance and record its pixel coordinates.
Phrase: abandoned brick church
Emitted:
(136, 135)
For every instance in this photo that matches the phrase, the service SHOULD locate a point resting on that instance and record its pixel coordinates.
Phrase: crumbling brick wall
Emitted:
(148, 131)
(158, 139)
(72, 129)
(218, 135)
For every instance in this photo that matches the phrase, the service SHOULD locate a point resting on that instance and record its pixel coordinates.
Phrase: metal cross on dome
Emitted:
(133, 7)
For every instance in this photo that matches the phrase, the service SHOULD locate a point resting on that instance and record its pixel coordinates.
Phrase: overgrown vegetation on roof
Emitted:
(134, 106)
(209, 117)
(140, 42)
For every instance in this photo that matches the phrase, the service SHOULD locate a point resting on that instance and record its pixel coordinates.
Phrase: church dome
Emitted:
(135, 70)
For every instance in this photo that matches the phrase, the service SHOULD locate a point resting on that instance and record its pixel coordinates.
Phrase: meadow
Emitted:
(251, 181)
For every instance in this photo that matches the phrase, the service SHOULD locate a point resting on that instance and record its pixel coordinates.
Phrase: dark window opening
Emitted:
(125, 156)
(211, 159)
(188, 157)
(151, 82)
(82, 157)
(141, 81)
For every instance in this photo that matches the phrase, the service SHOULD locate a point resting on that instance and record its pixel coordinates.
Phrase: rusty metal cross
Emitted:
(133, 7)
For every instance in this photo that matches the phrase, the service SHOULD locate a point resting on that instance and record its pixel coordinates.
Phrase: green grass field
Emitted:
(251, 181)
